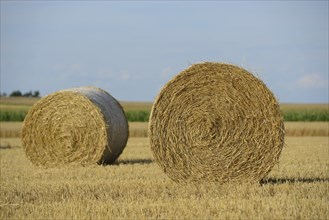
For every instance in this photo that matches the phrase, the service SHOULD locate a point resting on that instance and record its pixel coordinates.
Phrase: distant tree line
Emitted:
(18, 93)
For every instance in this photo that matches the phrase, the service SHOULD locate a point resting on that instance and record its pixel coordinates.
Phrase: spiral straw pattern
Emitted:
(84, 125)
(217, 122)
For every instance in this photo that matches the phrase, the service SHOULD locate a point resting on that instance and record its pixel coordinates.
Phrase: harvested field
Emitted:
(140, 129)
(136, 188)
(307, 128)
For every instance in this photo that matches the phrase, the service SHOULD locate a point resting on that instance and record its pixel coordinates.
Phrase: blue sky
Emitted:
(132, 48)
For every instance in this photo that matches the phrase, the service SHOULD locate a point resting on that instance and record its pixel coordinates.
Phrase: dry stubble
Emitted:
(136, 188)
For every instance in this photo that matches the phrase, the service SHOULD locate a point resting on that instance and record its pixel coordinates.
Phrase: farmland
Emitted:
(136, 188)
(138, 113)
(140, 129)
(15, 109)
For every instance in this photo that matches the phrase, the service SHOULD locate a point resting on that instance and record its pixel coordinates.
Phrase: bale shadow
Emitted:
(4, 147)
(134, 161)
(277, 181)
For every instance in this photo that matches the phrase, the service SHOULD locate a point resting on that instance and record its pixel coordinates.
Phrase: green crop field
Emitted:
(15, 109)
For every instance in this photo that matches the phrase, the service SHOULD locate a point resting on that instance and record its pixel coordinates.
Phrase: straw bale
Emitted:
(216, 122)
(84, 125)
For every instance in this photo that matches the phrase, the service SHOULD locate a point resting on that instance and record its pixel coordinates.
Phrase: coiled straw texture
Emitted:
(217, 122)
(84, 125)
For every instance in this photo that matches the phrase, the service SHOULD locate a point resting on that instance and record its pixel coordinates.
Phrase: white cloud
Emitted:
(312, 80)
(67, 71)
(125, 76)
(166, 72)
(103, 74)
(72, 67)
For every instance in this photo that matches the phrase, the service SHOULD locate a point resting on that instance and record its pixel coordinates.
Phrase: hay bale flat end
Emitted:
(84, 125)
(216, 121)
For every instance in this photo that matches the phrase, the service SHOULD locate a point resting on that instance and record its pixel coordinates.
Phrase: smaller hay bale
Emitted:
(216, 122)
(84, 125)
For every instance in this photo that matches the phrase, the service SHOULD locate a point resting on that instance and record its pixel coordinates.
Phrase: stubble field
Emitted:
(136, 188)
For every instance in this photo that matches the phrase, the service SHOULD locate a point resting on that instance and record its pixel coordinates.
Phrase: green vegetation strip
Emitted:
(143, 116)
(140, 116)
(306, 115)
(12, 115)
(19, 115)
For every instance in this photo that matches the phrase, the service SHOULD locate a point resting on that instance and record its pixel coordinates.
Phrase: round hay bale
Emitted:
(84, 125)
(217, 122)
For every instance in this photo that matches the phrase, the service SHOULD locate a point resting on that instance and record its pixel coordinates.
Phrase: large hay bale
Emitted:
(84, 125)
(216, 121)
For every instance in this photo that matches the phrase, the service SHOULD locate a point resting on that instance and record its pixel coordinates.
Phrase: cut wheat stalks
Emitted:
(84, 125)
(216, 121)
